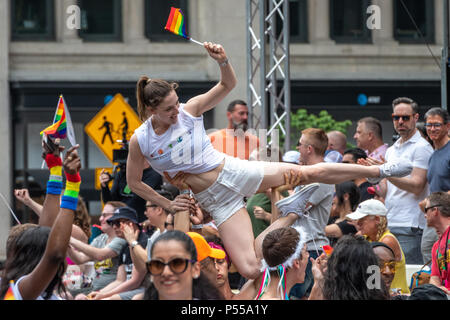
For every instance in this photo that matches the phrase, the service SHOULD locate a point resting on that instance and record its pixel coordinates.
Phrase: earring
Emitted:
(196, 276)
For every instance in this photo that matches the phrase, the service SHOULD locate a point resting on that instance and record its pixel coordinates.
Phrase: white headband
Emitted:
(290, 260)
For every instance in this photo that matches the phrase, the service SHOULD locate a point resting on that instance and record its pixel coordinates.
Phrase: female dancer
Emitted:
(173, 140)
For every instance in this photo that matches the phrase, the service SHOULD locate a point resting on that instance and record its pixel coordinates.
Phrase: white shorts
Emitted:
(238, 179)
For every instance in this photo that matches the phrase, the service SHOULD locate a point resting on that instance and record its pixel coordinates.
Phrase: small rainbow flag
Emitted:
(10, 294)
(176, 24)
(328, 250)
(59, 127)
(62, 125)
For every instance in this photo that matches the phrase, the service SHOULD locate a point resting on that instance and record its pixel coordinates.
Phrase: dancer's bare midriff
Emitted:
(201, 181)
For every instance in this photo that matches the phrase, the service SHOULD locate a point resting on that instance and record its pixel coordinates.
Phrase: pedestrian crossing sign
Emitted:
(114, 123)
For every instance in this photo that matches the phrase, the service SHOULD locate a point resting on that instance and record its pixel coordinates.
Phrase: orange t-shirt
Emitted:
(234, 145)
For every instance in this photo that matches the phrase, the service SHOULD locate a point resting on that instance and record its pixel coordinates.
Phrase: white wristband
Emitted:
(197, 226)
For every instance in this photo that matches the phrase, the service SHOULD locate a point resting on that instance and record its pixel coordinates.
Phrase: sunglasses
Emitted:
(302, 144)
(116, 222)
(431, 125)
(431, 207)
(388, 264)
(177, 266)
(404, 118)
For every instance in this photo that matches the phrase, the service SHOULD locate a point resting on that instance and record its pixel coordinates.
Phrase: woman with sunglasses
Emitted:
(371, 222)
(386, 262)
(175, 271)
(173, 140)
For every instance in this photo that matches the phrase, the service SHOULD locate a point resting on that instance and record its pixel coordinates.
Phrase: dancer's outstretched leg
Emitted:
(332, 173)
(237, 235)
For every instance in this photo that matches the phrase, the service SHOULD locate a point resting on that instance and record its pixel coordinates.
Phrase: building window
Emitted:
(298, 21)
(348, 21)
(418, 15)
(32, 20)
(101, 20)
(156, 13)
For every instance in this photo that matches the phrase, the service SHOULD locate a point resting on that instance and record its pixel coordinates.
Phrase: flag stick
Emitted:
(12, 212)
(195, 41)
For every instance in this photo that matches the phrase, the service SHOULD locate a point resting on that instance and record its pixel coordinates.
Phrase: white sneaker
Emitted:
(396, 168)
(296, 203)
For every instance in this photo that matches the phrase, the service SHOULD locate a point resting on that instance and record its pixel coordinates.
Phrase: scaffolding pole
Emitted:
(444, 59)
(268, 76)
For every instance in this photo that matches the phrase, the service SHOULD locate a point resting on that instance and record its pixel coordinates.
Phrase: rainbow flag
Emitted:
(175, 23)
(59, 127)
(328, 250)
(62, 124)
(10, 294)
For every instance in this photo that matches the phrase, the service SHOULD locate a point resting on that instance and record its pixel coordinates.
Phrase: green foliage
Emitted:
(302, 120)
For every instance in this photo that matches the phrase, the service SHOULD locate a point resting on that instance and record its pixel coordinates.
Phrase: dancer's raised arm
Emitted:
(204, 102)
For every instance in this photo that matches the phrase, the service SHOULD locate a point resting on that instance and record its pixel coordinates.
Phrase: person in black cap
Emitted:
(130, 277)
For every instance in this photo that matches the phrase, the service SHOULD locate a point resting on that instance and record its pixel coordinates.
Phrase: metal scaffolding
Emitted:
(269, 90)
(445, 63)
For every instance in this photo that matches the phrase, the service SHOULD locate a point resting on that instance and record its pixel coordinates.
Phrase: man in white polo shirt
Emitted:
(403, 195)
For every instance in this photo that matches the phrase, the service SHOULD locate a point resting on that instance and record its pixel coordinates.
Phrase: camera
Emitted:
(120, 155)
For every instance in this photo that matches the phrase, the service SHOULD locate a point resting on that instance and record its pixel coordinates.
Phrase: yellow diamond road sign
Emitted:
(116, 121)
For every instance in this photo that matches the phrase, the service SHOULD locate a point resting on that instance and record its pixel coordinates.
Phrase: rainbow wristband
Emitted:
(53, 161)
(54, 187)
(70, 198)
(69, 202)
(54, 184)
(56, 174)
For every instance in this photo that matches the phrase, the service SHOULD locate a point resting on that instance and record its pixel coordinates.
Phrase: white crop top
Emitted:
(183, 147)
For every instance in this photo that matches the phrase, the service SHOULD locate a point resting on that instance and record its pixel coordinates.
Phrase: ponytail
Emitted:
(150, 93)
(142, 82)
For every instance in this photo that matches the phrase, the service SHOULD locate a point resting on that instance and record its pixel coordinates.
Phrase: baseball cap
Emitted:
(292, 156)
(332, 156)
(124, 213)
(369, 207)
(218, 246)
(203, 248)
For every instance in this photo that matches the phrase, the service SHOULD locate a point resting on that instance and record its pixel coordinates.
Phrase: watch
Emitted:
(224, 63)
(134, 244)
